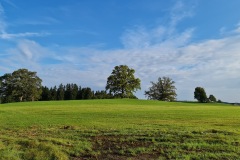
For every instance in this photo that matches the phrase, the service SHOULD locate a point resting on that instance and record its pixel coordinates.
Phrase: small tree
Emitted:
(212, 98)
(163, 90)
(200, 95)
(122, 82)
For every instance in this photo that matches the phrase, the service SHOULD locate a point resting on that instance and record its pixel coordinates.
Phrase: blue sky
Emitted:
(196, 43)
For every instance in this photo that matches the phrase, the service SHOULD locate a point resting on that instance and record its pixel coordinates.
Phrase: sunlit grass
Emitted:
(119, 129)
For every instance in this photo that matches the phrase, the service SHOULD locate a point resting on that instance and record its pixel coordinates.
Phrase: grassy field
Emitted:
(119, 129)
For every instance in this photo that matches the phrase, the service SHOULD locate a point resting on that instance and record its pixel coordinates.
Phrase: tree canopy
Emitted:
(200, 95)
(163, 90)
(212, 98)
(122, 82)
(21, 85)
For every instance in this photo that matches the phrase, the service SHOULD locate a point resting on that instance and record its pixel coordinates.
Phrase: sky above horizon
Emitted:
(195, 43)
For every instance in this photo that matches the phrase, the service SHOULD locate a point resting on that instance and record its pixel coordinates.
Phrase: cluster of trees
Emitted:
(201, 96)
(122, 83)
(71, 92)
(24, 85)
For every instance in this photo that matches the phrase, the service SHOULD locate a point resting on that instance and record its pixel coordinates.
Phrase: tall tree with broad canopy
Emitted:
(163, 90)
(200, 95)
(122, 82)
(21, 85)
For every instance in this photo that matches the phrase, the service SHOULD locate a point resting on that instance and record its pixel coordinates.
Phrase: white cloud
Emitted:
(212, 64)
(2, 22)
(29, 49)
(10, 3)
(159, 51)
(37, 21)
(180, 11)
(5, 35)
(237, 30)
(12, 36)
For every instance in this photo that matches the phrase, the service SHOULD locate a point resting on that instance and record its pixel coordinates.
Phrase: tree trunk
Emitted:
(21, 98)
(122, 96)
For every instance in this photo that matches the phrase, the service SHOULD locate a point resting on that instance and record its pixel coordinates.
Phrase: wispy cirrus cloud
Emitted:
(11, 36)
(140, 36)
(5, 35)
(10, 3)
(2, 22)
(181, 11)
(38, 22)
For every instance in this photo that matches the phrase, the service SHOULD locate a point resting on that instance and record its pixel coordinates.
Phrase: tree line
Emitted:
(24, 85)
(71, 92)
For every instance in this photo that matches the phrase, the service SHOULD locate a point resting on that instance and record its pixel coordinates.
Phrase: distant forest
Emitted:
(71, 92)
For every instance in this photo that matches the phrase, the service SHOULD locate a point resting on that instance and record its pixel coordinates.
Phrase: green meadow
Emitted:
(119, 129)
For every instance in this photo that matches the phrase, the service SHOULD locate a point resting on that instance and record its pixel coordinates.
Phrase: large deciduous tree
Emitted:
(200, 95)
(122, 82)
(163, 90)
(21, 85)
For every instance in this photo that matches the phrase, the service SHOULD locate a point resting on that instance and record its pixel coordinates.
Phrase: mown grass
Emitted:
(119, 129)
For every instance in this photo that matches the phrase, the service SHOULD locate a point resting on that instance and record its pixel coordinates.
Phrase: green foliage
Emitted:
(46, 95)
(101, 95)
(71, 92)
(21, 85)
(5, 88)
(163, 90)
(87, 93)
(122, 82)
(53, 93)
(60, 92)
(200, 95)
(212, 98)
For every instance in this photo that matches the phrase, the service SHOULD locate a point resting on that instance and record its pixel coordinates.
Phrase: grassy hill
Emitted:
(119, 129)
